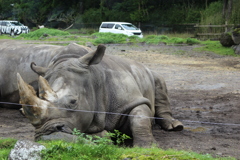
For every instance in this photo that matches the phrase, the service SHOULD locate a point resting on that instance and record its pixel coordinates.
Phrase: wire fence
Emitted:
(140, 116)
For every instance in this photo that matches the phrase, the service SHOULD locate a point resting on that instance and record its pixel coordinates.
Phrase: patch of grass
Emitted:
(83, 31)
(158, 154)
(5, 36)
(102, 149)
(216, 47)
(5, 147)
(105, 38)
(154, 39)
(192, 41)
(41, 33)
(62, 150)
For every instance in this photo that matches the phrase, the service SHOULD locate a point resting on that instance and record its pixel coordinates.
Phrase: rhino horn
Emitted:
(39, 70)
(45, 91)
(94, 57)
(33, 111)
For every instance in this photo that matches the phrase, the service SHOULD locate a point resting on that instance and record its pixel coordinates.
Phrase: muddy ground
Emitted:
(204, 91)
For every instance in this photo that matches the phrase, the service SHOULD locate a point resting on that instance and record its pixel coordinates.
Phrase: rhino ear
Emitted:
(94, 57)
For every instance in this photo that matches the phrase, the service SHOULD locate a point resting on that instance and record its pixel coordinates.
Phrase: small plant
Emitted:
(120, 137)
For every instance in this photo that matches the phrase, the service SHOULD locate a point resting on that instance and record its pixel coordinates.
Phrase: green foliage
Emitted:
(92, 15)
(44, 32)
(235, 16)
(213, 13)
(5, 147)
(120, 137)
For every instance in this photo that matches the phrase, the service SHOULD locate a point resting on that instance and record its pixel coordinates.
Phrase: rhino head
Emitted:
(65, 88)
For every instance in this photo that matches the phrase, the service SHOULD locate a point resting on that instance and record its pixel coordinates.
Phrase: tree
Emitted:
(140, 14)
(227, 9)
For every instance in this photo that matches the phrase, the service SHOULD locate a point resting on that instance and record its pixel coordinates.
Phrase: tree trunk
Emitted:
(227, 9)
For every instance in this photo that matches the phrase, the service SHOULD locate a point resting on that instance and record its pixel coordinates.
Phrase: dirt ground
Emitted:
(204, 91)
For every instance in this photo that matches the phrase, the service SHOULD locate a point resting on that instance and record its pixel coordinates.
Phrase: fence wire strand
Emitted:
(140, 116)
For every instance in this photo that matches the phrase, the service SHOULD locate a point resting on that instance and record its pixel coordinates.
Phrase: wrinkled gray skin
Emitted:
(16, 57)
(77, 93)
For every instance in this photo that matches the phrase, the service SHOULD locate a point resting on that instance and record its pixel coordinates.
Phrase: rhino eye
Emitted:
(73, 101)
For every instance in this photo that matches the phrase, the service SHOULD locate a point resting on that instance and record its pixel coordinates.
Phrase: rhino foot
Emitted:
(170, 124)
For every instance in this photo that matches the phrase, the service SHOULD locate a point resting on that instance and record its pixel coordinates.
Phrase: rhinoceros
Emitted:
(16, 57)
(95, 93)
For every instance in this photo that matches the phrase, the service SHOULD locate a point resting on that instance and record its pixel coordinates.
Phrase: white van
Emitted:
(12, 27)
(121, 27)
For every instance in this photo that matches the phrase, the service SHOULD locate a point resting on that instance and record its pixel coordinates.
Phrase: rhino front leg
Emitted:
(163, 112)
(141, 126)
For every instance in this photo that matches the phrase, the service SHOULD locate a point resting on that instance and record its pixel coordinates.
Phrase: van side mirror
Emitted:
(119, 28)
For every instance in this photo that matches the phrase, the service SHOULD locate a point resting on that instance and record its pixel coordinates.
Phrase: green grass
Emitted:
(216, 47)
(46, 34)
(41, 33)
(106, 38)
(5, 36)
(156, 39)
(5, 147)
(103, 150)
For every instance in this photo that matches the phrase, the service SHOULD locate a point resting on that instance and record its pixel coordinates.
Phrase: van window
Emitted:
(4, 24)
(107, 25)
(16, 23)
(129, 27)
(118, 26)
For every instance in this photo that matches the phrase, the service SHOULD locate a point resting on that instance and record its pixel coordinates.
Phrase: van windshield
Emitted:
(129, 27)
(16, 23)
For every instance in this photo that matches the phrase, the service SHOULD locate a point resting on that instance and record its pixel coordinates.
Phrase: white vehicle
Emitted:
(12, 27)
(121, 27)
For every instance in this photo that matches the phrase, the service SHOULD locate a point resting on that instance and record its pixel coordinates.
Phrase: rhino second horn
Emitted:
(30, 101)
(45, 91)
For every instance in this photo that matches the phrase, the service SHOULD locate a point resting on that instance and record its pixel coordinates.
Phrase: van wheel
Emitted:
(12, 33)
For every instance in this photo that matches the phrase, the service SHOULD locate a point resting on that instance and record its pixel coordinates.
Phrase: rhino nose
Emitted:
(60, 128)
(63, 128)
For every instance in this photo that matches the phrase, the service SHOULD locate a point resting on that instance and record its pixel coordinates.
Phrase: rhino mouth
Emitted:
(52, 127)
